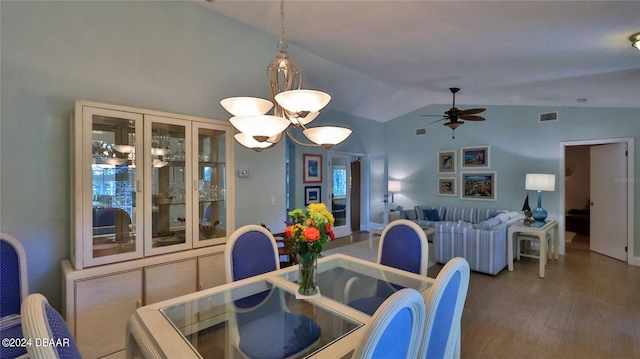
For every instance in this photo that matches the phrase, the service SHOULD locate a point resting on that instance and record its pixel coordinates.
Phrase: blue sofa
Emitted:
(478, 235)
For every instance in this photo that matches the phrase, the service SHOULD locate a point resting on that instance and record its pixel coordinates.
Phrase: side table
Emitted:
(538, 229)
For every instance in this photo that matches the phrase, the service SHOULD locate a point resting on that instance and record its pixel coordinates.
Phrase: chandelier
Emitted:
(294, 108)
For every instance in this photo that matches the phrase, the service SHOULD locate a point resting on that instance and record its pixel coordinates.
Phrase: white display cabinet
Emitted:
(147, 183)
(152, 206)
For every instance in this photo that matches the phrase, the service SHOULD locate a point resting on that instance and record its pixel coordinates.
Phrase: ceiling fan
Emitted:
(455, 115)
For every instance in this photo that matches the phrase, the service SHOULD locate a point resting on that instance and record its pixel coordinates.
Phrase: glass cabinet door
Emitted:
(168, 185)
(110, 139)
(211, 178)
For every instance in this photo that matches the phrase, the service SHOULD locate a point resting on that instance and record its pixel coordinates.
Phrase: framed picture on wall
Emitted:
(447, 162)
(312, 168)
(447, 186)
(312, 195)
(475, 157)
(479, 185)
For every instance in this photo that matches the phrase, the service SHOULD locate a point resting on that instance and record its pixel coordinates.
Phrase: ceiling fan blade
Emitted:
(472, 118)
(471, 111)
(442, 119)
(431, 115)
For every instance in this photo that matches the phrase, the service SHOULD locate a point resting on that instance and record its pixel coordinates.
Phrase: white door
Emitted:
(608, 219)
(339, 194)
(378, 195)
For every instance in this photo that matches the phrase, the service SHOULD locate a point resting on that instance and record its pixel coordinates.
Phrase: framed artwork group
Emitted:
(312, 168)
(475, 182)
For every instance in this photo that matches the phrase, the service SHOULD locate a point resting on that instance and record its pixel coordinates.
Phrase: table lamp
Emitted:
(540, 182)
(393, 186)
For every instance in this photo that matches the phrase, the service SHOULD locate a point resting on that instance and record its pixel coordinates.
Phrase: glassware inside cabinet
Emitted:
(211, 184)
(113, 181)
(168, 185)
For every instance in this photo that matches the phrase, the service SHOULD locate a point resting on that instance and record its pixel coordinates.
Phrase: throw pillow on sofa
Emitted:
(432, 215)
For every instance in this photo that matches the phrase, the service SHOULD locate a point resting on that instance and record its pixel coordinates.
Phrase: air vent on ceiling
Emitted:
(551, 116)
(421, 131)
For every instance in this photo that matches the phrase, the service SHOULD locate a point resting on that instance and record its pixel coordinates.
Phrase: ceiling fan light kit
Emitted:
(294, 107)
(635, 41)
(455, 115)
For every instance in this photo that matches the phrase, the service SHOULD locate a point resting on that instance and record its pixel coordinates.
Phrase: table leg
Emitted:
(371, 239)
(555, 242)
(543, 253)
(510, 236)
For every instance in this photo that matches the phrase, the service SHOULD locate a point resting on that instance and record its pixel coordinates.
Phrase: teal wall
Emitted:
(519, 142)
(169, 56)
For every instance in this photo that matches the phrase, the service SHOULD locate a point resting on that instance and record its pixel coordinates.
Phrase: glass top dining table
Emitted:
(206, 324)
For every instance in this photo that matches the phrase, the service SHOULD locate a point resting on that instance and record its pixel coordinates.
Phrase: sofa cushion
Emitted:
(461, 214)
(503, 217)
(432, 215)
(420, 212)
(489, 223)
(411, 214)
(485, 213)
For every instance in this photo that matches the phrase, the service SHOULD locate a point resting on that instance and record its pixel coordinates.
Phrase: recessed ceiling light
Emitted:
(635, 41)
(582, 100)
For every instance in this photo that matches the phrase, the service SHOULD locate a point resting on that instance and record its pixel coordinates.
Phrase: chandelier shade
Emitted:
(250, 142)
(327, 136)
(301, 101)
(263, 125)
(246, 106)
(303, 120)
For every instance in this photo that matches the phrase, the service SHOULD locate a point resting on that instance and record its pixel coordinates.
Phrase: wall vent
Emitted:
(551, 116)
(421, 131)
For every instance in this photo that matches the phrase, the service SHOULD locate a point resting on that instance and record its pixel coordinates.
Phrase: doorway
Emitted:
(604, 180)
(345, 192)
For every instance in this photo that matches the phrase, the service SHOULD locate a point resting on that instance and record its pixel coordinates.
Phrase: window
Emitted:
(339, 181)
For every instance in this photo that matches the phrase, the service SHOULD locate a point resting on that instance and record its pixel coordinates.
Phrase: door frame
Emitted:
(364, 195)
(631, 258)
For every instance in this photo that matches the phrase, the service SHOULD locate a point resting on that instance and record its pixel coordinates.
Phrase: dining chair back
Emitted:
(14, 288)
(43, 323)
(13, 275)
(250, 250)
(262, 326)
(404, 245)
(396, 328)
(444, 303)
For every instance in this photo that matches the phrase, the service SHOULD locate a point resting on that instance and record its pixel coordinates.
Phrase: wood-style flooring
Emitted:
(587, 306)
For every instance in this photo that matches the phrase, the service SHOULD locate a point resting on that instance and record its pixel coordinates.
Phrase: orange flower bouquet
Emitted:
(309, 231)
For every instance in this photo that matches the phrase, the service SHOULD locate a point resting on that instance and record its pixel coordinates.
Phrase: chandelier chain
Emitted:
(282, 45)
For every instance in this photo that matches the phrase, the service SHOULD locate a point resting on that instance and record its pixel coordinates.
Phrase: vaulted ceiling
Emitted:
(383, 59)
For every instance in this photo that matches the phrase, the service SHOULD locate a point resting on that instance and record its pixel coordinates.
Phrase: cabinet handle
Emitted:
(199, 286)
(138, 303)
(195, 185)
(138, 187)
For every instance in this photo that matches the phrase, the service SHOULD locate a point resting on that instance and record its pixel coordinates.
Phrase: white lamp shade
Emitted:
(263, 125)
(250, 142)
(303, 100)
(395, 186)
(540, 182)
(327, 135)
(246, 106)
(305, 120)
(124, 148)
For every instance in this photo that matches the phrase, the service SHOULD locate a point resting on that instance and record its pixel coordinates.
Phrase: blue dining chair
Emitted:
(14, 289)
(444, 303)
(263, 327)
(396, 328)
(41, 322)
(403, 245)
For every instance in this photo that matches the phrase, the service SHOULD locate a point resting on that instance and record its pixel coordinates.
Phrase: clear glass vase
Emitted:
(308, 274)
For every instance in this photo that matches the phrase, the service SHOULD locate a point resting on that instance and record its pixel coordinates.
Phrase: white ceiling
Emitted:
(384, 59)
